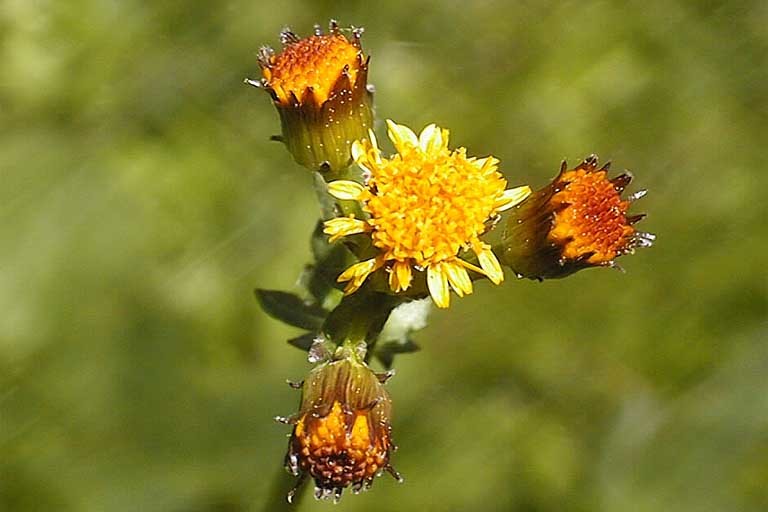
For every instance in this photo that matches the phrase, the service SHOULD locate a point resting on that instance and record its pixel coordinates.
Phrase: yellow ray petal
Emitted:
(400, 277)
(444, 135)
(402, 137)
(490, 264)
(487, 165)
(431, 139)
(458, 278)
(359, 155)
(357, 274)
(351, 287)
(344, 226)
(437, 282)
(366, 153)
(374, 145)
(512, 197)
(346, 190)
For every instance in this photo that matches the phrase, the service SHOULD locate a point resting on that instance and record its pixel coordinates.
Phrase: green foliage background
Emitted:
(141, 202)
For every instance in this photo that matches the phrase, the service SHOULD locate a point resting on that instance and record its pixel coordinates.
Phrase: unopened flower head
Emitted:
(426, 209)
(342, 434)
(319, 86)
(578, 221)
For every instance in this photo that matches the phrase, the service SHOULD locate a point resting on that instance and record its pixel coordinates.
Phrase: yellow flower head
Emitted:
(426, 206)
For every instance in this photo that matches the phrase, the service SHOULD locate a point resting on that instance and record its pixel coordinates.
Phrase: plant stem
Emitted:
(360, 318)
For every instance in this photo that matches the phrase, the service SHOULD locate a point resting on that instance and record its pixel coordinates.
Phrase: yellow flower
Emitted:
(426, 209)
(319, 87)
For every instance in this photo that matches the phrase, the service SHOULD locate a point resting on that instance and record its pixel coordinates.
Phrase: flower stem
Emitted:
(360, 318)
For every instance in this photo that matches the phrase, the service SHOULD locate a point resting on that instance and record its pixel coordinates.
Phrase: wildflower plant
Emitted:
(398, 233)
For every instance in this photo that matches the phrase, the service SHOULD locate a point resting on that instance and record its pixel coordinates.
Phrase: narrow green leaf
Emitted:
(385, 352)
(397, 347)
(303, 342)
(290, 309)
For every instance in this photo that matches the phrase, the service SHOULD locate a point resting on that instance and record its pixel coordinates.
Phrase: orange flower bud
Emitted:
(319, 87)
(341, 435)
(578, 221)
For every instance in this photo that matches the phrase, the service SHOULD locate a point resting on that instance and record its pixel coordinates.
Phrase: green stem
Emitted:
(360, 317)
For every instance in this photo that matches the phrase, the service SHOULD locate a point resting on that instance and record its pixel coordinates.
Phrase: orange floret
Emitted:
(312, 64)
(590, 217)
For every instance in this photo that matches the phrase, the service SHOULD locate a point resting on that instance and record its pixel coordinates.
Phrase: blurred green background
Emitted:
(141, 202)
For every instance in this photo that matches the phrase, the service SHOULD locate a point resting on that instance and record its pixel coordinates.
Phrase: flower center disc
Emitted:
(426, 207)
(316, 62)
(594, 218)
